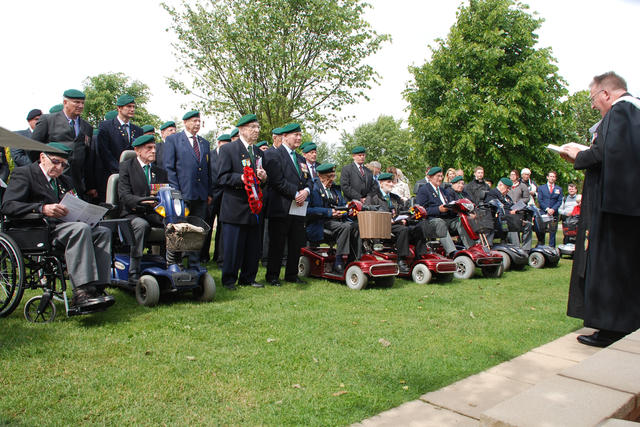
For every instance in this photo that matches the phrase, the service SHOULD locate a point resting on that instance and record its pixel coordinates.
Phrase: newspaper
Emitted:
(81, 211)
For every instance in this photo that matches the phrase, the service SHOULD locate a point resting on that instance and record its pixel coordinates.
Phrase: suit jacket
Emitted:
(548, 200)
(216, 188)
(133, 187)
(428, 199)
(284, 181)
(29, 190)
(21, 157)
(234, 208)
(319, 209)
(452, 195)
(186, 173)
(354, 185)
(112, 141)
(55, 128)
(376, 199)
(159, 153)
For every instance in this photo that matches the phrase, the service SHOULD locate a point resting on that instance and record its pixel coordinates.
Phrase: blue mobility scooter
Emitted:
(506, 228)
(181, 233)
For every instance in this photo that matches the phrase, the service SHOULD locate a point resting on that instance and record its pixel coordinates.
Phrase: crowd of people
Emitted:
(268, 200)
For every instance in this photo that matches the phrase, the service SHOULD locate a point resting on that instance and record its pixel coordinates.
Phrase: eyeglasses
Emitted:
(592, 97)
(57, 162)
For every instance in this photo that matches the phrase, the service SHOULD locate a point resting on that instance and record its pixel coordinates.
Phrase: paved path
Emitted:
(463, 402)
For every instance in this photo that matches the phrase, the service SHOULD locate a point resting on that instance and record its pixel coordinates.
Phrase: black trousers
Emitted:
(405, 235)
(240, 244)
(289, 230)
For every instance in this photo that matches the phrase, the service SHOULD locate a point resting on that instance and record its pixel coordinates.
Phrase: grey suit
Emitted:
(55, 128)
(20, 156)
(354, 185)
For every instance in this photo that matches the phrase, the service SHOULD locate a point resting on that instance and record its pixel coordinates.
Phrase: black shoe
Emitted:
(338, 268)
(275, 282)
(252, 284)
(599, 339)
(296, 280)
(403, 267)
(231, 287)
(86, 296)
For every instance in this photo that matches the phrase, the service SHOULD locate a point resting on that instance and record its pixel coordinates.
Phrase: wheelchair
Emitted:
(31, 259)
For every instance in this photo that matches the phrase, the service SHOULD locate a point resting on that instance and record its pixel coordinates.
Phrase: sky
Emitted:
(53, 46)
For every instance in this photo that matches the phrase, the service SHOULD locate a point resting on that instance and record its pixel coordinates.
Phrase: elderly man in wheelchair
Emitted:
(36, 190)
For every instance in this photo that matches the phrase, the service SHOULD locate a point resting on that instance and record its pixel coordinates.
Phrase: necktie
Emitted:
(252, 156)
(147, 174)
(388, 199)
(313, 171)
(550, 188)
(361, 170)
(54, 185)
(126, 129)
(196, 147)
(72, 124)
(295, 162)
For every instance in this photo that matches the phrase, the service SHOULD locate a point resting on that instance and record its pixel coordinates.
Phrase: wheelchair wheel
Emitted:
(304, 266)
(36, 312)
(355, 278)
(147, 291)
(421, 274)
(11, 275)
(206, 290)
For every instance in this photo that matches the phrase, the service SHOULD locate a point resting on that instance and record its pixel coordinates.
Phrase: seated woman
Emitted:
(322, 214)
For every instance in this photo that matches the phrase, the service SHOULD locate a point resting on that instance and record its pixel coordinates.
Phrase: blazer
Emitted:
(159, 153)
(452, 195)
(547, 200)
(29, 190)
(20, 156)
(354, 185)
(112, 141)
(55, 128)
(319, 209)
(133, 186)
(216, 188)
(234, 207)
(284, 181)
(376, 199)
(186, 173)
(428, 199)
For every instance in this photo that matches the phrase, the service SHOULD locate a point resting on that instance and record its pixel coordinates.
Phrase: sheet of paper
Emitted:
(518, 206)
(558, 148)
(81, 211)
(400, 218)
(296, 210)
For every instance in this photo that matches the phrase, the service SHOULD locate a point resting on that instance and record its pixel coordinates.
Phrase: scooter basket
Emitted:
(514, 221)
(570, 226)
(483, 222)
(180, 238)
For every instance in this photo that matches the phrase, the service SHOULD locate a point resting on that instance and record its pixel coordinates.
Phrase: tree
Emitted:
(285, 60)
(488, 96)
(102, 91)
(385, 141)
(579, 116)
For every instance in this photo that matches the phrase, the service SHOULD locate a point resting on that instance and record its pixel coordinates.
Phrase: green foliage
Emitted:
(103, 90)
(579, 116)
(488, 96)
(285, 60)
(386, 142)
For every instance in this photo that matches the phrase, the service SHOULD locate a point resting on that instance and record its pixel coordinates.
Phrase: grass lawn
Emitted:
(296, 355)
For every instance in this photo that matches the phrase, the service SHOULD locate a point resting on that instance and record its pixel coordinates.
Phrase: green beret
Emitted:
(111, 115)
(385, 176)
(73, 94)
(190, 114)
(262, 143)
(168, 124)
(434, 170)
(291, 127)
(234, 132)
(309, 147)
(144, 139)
(60, 146)
(456, 179)
(124, 100)
(506, 181)
(326, 168)
(148, 128)
(55, 108)
(249, 118)
(358, 149)
(224, 137)
(277, 131)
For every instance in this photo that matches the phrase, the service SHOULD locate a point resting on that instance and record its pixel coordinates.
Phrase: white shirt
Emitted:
(190, 138)
(438, 192)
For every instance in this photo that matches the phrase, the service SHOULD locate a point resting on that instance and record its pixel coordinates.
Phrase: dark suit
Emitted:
(87, 250)
(21, 157)
(354, 185)
(132, 188)
(553, 201)
(112, 141)
(284, 182)
(159, 153)
(240, 226)
(213, 210)
(186, 173)
(56, 128)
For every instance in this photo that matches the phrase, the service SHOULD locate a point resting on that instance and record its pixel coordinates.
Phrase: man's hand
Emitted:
(301, 196)
(149, 202)
(513, 212)
(569, 153)
(55, 210)
(262, 174)
(442, 208)
(335, 213)
(362, 199)
(209, 200)
(92, 193)
(550, 211)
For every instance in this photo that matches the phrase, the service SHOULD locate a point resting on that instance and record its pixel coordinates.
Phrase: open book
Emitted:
(558, 148)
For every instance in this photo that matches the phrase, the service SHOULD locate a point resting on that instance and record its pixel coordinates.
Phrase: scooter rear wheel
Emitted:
(421, 274)
(355, 278)
(147, 291)
(465, 267)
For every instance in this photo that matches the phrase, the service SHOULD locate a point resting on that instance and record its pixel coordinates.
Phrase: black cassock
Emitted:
(605, 284)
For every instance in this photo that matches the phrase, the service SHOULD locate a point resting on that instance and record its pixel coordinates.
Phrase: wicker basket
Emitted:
(180, 241)
(374, 225)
